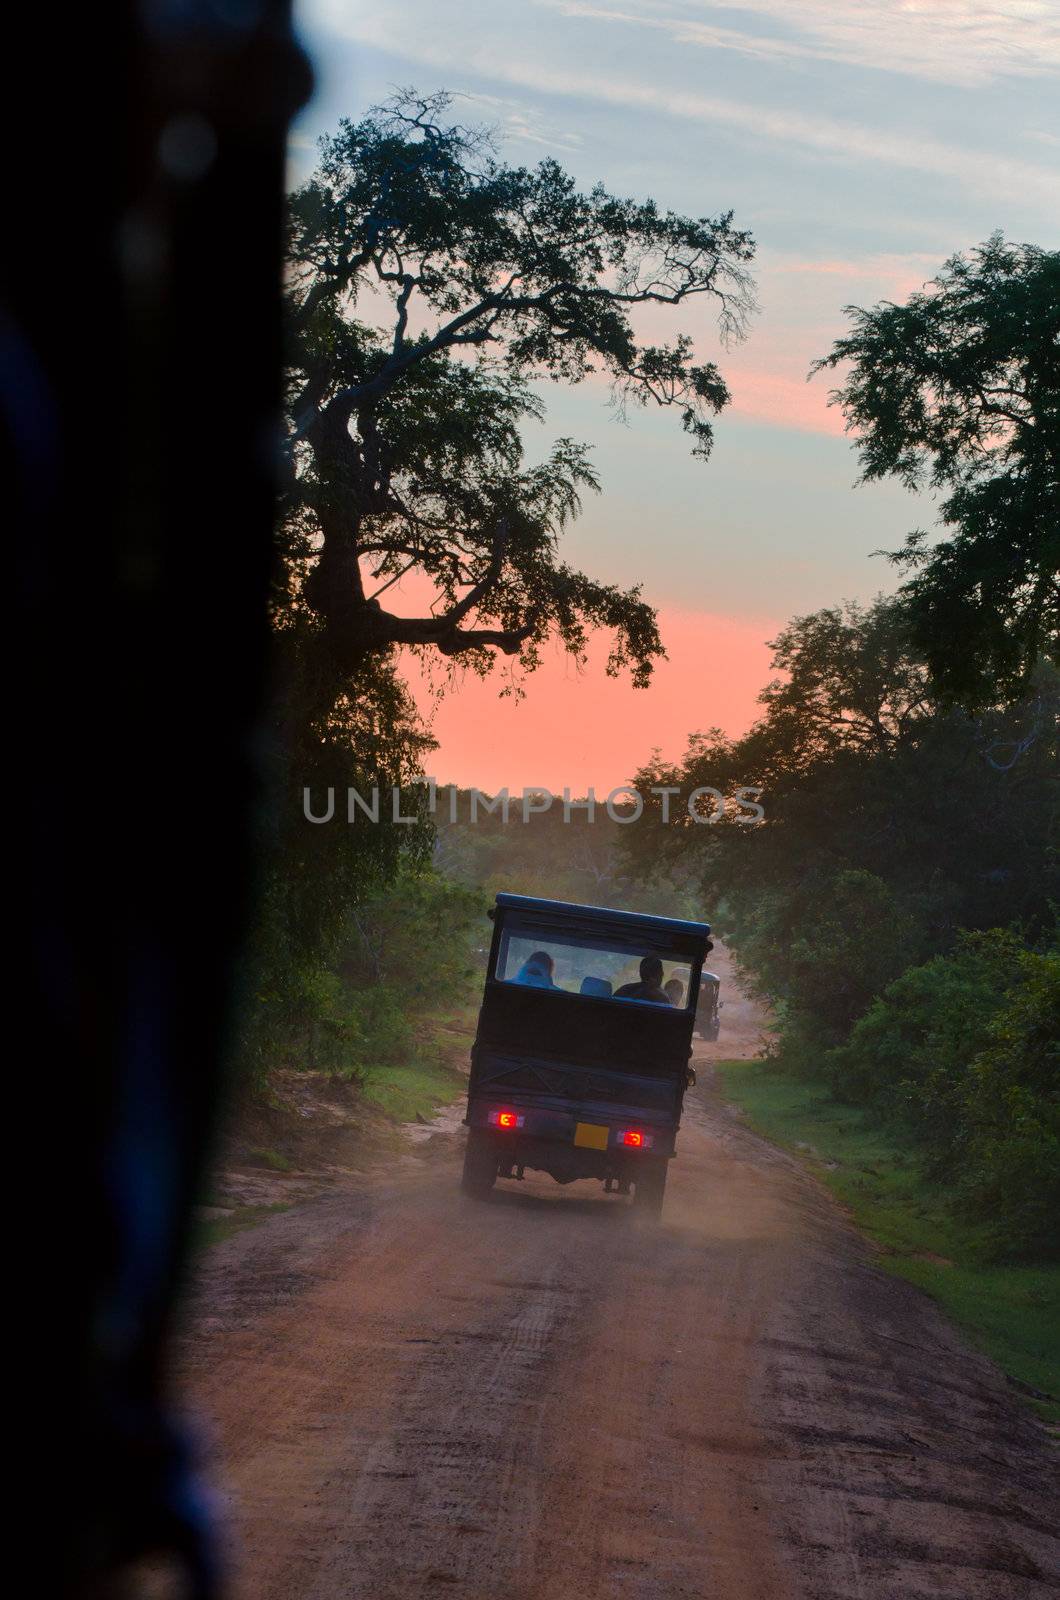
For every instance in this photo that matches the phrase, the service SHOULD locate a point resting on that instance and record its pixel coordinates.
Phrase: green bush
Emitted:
(910, 1051)
(402, 954)
(849, 943)
(961, 1052)
(819, 953)
(1010, 1173)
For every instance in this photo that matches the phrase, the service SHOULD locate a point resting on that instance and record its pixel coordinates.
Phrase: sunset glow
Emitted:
(581, 729)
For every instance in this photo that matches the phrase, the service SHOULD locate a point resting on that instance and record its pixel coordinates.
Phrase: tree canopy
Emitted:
(430, 285)
(960, 388)
(885, 809)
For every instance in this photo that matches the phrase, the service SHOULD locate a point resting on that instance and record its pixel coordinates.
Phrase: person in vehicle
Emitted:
(536, 970)
(650, 985)
(674, 990)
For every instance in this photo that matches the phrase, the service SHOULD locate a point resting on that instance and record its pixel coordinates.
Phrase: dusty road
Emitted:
(410, 1394)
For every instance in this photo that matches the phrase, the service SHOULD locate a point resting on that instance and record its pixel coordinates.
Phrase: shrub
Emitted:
(826, 952)
(1010, 1174)
(909, 1053)
(403, 952)
(962, 1052)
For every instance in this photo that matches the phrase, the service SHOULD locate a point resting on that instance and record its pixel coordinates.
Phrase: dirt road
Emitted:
(410, 1394)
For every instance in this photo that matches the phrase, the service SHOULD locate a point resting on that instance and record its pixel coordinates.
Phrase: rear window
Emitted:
(597, 965)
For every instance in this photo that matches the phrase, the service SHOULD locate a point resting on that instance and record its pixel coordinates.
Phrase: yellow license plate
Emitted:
(590, 1135)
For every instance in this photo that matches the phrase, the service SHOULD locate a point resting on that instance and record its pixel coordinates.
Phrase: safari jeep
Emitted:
(708, 1012)
(581, 1059)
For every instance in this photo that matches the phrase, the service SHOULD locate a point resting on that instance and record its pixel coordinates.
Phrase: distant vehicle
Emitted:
(708, 1012)
(581, 1061)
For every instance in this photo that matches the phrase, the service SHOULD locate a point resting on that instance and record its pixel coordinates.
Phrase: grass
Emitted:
(1010, 1312)
(411, 1088)
(212, 1230)
(275, 1160)
(431, 1078)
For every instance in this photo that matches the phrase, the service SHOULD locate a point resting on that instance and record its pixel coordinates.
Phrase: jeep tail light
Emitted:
(635, 1139)
(506, 1119)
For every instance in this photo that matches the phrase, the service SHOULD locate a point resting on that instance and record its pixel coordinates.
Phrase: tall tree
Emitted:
(430, 285)
(960, 388)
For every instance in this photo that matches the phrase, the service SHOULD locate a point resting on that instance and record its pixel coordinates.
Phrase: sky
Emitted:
(862, 142)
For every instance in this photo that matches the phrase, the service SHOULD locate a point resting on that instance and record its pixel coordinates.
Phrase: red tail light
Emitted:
(635, 1139)
(506, 1119)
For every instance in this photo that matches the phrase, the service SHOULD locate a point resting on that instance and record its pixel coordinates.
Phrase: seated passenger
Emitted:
(674, 990)
(650, 985)
(536, 970)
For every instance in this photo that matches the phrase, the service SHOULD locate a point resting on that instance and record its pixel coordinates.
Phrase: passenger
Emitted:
(674, 990)
(650, 985)
(536, 970)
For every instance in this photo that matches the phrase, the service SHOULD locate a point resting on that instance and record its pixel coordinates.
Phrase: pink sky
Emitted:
(581, 730)
(768, 375)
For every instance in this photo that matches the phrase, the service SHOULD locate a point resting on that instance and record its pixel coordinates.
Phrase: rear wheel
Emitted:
(480, 1164)
(649, 1188)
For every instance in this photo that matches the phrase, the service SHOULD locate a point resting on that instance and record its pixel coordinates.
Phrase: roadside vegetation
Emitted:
(387, 1004)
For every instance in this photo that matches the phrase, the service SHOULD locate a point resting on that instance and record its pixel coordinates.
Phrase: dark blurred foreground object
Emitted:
(139, 401)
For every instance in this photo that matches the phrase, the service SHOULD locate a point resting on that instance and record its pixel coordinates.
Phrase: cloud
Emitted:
(951, 41)
(789, 402)
(517, 121)
(827, 137)
(869, 267)
(802, 299)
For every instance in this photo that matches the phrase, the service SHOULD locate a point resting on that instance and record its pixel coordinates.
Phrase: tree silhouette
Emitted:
(430, 286)
(960, 387)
